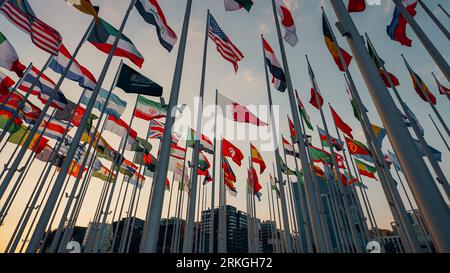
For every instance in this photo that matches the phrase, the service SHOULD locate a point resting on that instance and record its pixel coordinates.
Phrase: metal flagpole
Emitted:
(213, 184)
(168, 215)
(435, 20)
(177, 208)
(150, 233)
(277, 242)
(274, 248)
(432, 50)
(445, 12)
(429, 199)
(40, 228)
(277, 152)
(439, 132)
(313, 210)
(247, 207)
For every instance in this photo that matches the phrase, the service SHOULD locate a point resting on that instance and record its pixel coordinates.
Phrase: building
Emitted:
(93, 229)
(138, 227)
(421, 231)
(270, 237)
(78, 235)
(166, 240)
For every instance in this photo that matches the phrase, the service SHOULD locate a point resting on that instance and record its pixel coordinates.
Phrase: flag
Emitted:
(285, 169)
(365, 169)
(102, 37)
(156, 129)
(20, 14)
(257, 159)
(205, 143)
(287, 20)
(344, 127)
(147, 109)
(232, 5)
(9, 58)
(337, 144)
(273, 185)
(316, 98)
(43, 89)
(5, 116)
(203, 163)
(115, 107)
(227, 171)
(84, 6)
(177, 152)
(319, 172)
(289, 148)
(394, 159)
(302, 111)
(22, 134)
(223, 44)
(442, 89)
(292, 130)
(132, 81)
(408, 122)
(146, 159)
(436, 154)
(254, 183)
(320, 156)
(152, 13)
(379, 133)
(49, 155)
(333, 46)
(396, 30)
(75, 169)
(356, 5)
(358, 149)
(54, 128)
(237, 112)
(229, 150)
(77, 72)
(138, 145)
(138, 180)
(379, 63)
(74, 113)
(103, 174)
(119, 127)
(30, 112)
(5, 83)
(419, 84)
(278, 77)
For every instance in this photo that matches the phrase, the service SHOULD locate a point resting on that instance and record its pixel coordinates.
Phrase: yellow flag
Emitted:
(84, 6)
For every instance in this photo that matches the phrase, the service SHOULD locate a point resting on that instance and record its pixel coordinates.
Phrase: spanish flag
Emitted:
(332, 46)
(417, 82)
(257, 158)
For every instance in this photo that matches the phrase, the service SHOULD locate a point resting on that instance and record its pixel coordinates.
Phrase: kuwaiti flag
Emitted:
(43, 89)
(5, 83)
(9, 58)
(115, 106)
(53, 128)
(397, 28)
(147, 109)
(287, 21)
(237, 112)
(153, 14)
(119, 127)
(102, 37)
(76, 73)
(279, 79)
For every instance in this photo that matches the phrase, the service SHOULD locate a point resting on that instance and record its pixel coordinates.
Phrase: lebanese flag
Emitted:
(229, 150)
(397, 28)
(345, 128)
(279, 79)
(9, 58)
(356, 5)
(119, 127)
(237, 112)
(287, 20)
(5, 83)
(316, 99)
(76, 73)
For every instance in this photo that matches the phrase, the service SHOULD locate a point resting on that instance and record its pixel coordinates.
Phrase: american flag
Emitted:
(20, 14)
(225, 47)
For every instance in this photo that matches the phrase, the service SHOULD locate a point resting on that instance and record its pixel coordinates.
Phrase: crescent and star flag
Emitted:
(356, 5)
(229, 150)
(344, 127)
(119, 127)
(20, 14)
(365, 169)
(379, 63)
(54, 128)
(5, 83)
(115, 106)
(417, 83)
(205, 143)
(358, 149)
(147, 109)
(379, 133)
(132, 81)
(9, 58)
(223, 44)
(43, 88)
(287, 21)
(76, 73)
(257, 159)
(396, 30)
(254, 183)
(278, 77)
(337, 144)
(22, 134)
(333, 47)
(84, 6)
(232, 5)
(442, 89)
(102, 37)
(302, 111)
(152, 13)
(236, 112)
(289, 148)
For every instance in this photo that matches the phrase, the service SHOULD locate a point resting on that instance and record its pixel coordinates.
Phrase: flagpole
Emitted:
(168, 215)
(440, 134)
(270, 218)
(435, 20)
(437, 82)
(213, 184)
(177, 208)
(278, 244)
(443, 10)
(435, 211)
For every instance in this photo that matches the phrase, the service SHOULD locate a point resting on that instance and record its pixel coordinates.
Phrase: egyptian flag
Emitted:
(132, 81)
(419, 84)
(236, 112)
(333, 47)
(278, 77)
(442, 89)
(229, 150)
(356, 5)
(257, 158)
(153, 14)
(5, 83)
(102, 37)
(379, 63)
(232, 5)
(287, 20)
(289, 148)
(344, 127)
(397, 28)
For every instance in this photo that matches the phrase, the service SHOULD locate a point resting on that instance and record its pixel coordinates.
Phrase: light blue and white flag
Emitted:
(115, 107)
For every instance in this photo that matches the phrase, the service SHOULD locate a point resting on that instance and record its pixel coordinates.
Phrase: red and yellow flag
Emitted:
(257, 158)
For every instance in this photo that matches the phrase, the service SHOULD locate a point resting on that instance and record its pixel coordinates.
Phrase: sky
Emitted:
(247, 86)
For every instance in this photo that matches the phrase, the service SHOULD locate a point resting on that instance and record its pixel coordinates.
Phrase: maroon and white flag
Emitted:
(236, 112)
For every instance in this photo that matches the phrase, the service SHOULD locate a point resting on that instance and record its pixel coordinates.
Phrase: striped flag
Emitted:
(147, 109)
(5, 83)
(20, 14)
(224, 45)
(302, 110)
(289, 148)
(232, 5)
(54, 128)
(442, 89)
(115, 107)
(257, 158)
(365, 169)
(9, 58)
(119, 127)
(177, 151)
(278, 77)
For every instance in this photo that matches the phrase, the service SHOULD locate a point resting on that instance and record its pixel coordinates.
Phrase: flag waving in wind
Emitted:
(287, 20)
(132, 81)
(397, 28)
(344, 127)
(232, 5)
(278, 77)
(229, 150)
(257, 158)
(333, 47)
(9, 58)
(356, 5)
(236, 112)
(84, 6)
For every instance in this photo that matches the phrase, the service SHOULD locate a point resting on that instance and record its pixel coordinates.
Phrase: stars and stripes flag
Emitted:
(20, 14)
(224, 46)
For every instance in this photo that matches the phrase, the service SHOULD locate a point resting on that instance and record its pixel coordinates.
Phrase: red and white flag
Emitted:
(288, 23)
(5, 83)
(236, 112)
(119, 127)
(53, 128)
(229, 150)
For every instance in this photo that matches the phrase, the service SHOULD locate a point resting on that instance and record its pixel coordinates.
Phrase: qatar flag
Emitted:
(236, 112)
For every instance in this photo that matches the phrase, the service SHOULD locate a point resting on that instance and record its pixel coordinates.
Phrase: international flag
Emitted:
(77, 72)
(119, 127)
(333, 46)
(379, 133)
(254, 183)
(102, 37)
(103, 173)
(9, 58)
(344, 127)
(303, 112)
(148, 109)
(379, 63)
(203, 162)
(442, 89)
(22, 134)
(5, 83)
(273, 185)
(356, 5)
(419, 84)
(75, 169)
(236, 112)
(146, 159)
(156, 129)
(84, 6)
(232, 5)
(138, 180)
(10, 103)
(396, 30)
(319, 172)
(74, 113)
(153, 14)
(287, 21)
(224, 46)
(20, 14)
(229, 177)
(394, 160)
(408, 122)
(285, 169)
(292, 130)
(337, 144)
(316, 98)
(115, 106)
(132, 81)
(358, 149)
(229, 150)
(49, 155)
(177, 151)
(180, 171)
(257, 158)
(43, 89)
(205, 143)
(53, 128)
(365, 169)
(30, 112)
(320, 156)
(5, 117)
(289, 148)
(436, 154)
(278, 77)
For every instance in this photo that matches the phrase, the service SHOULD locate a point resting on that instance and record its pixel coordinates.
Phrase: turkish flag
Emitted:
(229, 150)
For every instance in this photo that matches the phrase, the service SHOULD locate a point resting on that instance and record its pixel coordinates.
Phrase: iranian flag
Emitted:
(5, 83)
(102, 37)
(147, 109)
(9, 58)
